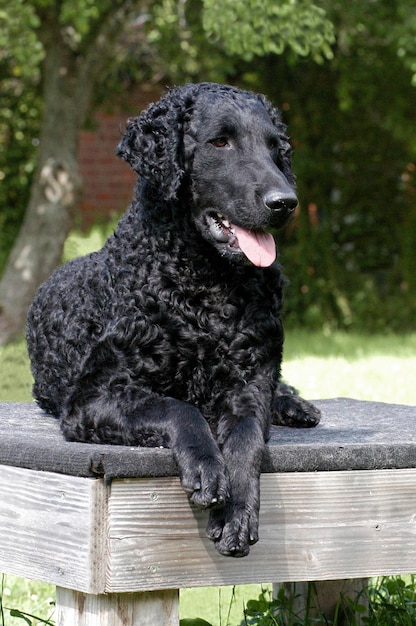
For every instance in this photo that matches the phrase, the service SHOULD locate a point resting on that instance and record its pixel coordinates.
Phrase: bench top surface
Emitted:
(352, 435)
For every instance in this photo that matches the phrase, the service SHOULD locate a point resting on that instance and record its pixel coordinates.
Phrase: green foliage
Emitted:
(80, 15)
(194, 622)
(175, 30)
(350, 254)
(18, 142)
(20, 55)
(249, 28)
(205, 38)
(80, 243)
(389, 601)
(263, 611)
(77, 18)
(392, 602)
(405, 35)
(281, 611)
(20, 50)
(28, 618)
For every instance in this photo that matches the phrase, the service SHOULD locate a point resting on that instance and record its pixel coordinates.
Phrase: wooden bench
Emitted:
(112, 529)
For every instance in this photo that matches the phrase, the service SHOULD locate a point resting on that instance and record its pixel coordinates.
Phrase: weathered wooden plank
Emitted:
(313, 526)
(74, 608)
(52, 528)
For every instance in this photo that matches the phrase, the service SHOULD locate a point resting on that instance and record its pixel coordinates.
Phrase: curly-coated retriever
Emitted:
(170, 335)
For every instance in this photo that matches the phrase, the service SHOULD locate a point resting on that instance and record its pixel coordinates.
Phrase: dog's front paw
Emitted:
(205, 480)
(233, 530)
(292, 410)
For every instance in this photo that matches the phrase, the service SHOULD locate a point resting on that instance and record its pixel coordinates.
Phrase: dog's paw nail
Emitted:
(214, 533)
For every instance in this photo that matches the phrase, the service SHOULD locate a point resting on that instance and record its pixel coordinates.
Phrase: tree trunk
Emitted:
(72, 66)
(55, 188)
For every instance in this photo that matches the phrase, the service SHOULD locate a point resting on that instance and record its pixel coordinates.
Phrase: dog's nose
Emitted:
(280, 202)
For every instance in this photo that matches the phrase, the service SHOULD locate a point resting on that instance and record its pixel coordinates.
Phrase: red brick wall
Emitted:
(108, 182)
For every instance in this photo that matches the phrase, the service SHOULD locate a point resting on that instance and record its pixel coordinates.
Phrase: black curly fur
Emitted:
(169, 336)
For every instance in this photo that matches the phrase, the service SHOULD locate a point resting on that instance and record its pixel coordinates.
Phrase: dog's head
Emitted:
(228, 148)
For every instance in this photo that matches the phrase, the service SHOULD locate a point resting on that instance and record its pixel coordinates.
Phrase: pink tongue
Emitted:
(259, 247)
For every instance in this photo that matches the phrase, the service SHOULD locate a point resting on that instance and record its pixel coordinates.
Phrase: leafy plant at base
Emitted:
(264, 610)
(27, 617)
(194, 622)
(21, 614)
(392, 602)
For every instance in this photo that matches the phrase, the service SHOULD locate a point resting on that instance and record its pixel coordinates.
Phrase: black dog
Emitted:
(170, 335)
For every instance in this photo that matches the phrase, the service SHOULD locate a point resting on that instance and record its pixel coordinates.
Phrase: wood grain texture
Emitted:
(74, 608)
(52, 528)
(313, 526)
(145, 536)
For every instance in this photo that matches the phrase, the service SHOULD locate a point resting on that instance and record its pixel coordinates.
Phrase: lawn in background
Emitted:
(366, 367)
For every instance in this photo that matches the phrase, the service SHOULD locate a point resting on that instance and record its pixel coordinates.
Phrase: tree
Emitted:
(74, 41)
(211, 39)
(248, 29)
(20, 55)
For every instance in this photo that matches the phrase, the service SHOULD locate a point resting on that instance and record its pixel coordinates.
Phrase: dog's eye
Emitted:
(220, 142)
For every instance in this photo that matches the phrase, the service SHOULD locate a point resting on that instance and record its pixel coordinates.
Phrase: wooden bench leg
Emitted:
(330, 600)
(148, 608)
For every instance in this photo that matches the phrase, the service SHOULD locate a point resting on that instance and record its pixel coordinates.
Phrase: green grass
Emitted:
(218, 605)
(16, 379)
(376, 367)
(367, 367)
(27, 596)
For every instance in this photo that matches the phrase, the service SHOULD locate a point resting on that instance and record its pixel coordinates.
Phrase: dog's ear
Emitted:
(285, 147)
(153, 142)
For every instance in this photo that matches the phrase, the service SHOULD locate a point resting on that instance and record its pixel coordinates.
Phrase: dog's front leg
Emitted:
(136, 418)
(289, 409)
(235, 527)
(202, 469)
